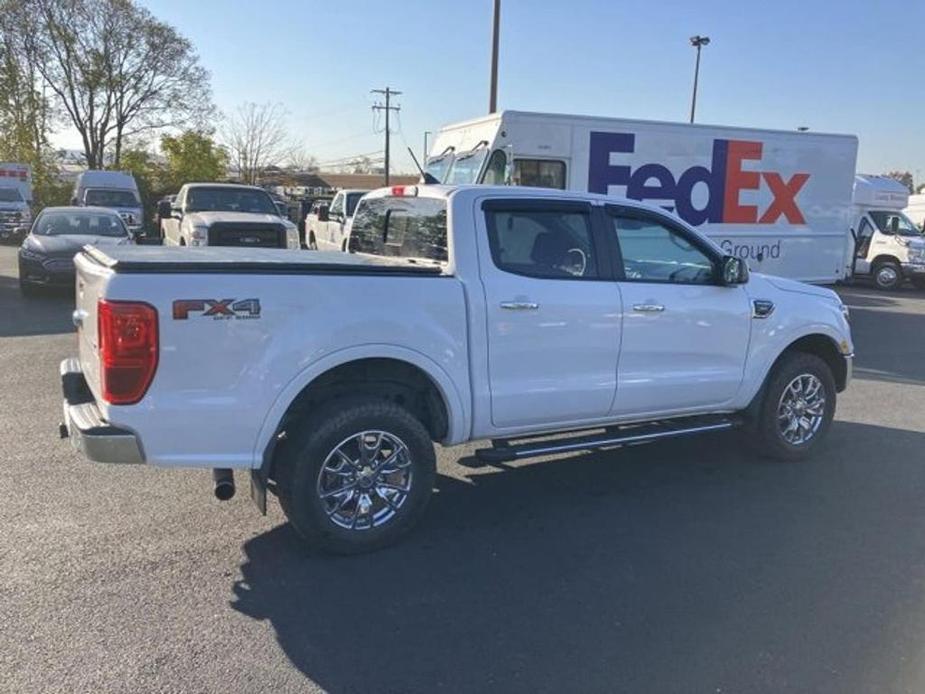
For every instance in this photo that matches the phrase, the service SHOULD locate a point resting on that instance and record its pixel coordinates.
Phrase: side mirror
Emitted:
(175, 212)
(164, 210)
(323, 215)
(733, 271)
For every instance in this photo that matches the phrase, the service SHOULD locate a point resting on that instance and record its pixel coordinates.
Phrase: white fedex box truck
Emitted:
(779, 199)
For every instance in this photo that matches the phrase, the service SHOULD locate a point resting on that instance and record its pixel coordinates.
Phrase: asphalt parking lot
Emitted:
(679, 567)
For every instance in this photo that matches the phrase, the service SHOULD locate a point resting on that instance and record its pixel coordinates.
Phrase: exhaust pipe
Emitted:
(224, 483)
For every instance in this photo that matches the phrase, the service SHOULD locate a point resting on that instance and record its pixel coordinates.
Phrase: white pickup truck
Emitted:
(224, 214)
(501, 314)
(328, 226)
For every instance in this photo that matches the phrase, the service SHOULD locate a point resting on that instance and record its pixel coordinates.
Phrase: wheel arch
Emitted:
(395, 373)
(884, 258)
(818, 344)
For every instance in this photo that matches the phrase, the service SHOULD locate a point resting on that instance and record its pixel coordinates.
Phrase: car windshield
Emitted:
(79, 223)
(885, 221)
(411, 228)
(101, 197)
(466, 167)
(352, 200)
(229, 200)
(438, 166)
(10, 195)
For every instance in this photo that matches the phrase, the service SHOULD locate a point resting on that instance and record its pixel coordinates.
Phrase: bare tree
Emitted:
(115, 70)
(299, 160)
(255, 136)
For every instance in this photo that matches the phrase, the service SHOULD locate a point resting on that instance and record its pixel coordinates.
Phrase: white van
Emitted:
(915, 210)
(779, 199)
(116, 190)
(889, 246)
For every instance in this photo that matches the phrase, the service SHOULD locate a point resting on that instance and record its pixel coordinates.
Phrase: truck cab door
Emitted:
(335, 223)
(685, 336)
(553, 313)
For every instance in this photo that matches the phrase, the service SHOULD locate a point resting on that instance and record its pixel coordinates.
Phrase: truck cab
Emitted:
(888, 246)
(327, 228)
(15, 201)
(116, 190)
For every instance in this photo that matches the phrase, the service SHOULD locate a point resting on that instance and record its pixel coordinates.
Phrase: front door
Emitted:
(685, 337)
(553, 315)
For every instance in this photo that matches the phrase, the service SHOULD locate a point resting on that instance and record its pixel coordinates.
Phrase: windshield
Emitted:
(885, 221)
(412, 228)
(229, 200)
(438, 166)
(10, 195)
(466, 167)
(352, 200)
(110, 198)
(83, 223)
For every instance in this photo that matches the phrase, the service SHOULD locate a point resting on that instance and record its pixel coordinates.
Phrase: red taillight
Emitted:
(128, 349)
(403, 191)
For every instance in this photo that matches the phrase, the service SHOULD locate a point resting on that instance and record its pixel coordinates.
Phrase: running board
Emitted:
(503, 451)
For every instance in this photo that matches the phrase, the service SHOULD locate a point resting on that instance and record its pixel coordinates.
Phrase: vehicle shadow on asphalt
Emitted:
(888, 344)
(46, 313)
(683, 566)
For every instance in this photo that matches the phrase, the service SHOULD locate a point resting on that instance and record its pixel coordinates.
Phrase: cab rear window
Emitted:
(413, 228)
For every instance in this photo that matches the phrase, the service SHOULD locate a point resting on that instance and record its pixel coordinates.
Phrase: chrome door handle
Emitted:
(648, 308)
(520, 305)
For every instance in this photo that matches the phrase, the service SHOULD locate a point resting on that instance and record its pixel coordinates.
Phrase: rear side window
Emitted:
(547, 243)
(539, 173)
(400, 228)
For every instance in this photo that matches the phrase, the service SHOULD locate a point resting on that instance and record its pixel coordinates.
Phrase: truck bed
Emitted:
(261, 261)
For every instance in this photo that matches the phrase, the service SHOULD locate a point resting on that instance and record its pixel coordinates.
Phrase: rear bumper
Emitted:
(89, 433)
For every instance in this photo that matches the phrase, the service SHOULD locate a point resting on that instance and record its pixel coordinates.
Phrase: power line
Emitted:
(387, 108)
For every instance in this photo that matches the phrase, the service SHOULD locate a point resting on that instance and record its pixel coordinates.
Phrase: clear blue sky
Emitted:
(851, 67)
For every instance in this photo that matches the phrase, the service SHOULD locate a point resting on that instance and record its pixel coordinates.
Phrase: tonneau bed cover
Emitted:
(260, 261)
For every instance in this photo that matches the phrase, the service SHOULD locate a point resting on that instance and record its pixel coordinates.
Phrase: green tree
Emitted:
(192, 156)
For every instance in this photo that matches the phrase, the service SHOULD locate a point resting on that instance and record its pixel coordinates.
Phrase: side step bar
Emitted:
(507, 451)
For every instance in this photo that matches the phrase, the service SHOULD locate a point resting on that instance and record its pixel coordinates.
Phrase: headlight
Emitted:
(29, 254)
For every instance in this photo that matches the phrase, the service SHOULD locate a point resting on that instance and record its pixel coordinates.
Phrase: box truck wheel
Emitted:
(356, 475)
(887, 274)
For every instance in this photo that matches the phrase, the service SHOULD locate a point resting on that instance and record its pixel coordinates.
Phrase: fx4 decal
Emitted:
(217, 309)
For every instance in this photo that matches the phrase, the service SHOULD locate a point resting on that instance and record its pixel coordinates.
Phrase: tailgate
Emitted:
(91, 280)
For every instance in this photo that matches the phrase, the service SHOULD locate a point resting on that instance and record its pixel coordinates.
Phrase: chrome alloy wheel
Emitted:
(365, 480)
(801, 410)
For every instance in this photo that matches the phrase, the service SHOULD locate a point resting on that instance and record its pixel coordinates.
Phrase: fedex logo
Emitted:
(725, 181)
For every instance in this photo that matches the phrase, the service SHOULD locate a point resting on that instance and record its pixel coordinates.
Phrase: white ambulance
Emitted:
(782, 200)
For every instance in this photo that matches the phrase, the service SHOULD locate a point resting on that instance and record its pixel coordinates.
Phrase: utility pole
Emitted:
(495, 30)
(697, 42)
(388, 92)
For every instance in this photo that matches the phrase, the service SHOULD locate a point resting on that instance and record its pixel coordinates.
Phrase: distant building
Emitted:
(322, 183)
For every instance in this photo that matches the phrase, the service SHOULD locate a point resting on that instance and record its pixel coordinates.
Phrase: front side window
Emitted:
(352, 200)
(655, 252)
(547, 243)
(412, 228)
(337, 206)
(495, 172)
(539, 173)
(886, 221)
(79, 224)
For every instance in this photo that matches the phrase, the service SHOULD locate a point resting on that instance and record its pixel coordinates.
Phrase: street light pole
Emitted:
(495, 29)
(697, 42)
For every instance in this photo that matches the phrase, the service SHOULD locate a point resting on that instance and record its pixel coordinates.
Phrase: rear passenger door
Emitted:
(553, 313)
(685, 337)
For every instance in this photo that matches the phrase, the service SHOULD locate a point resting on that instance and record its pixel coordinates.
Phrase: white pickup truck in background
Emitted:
(224, 214)
(328, 226)
(478, 312)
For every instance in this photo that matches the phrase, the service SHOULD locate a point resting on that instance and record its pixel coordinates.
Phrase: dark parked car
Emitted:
(46, 257)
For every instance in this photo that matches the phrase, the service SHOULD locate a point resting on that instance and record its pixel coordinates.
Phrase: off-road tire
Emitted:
(308, 443)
